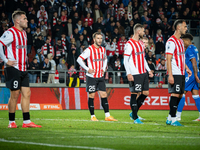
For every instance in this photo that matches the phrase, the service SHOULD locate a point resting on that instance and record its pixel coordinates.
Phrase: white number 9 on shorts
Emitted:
(15, 84)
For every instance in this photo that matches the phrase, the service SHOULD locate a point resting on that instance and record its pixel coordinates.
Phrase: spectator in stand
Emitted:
(118, 16)
(158, 25)
(160, 84)
(80, 27)
(147, 35)
(72, 57)
(33, 26)
(151, 46)
(45, 65)
(51, 77)
(58, 30)
(136, 19)
(89, 20)
(159, 35)
(72, 43)
(72, 71)
(39, 56)
(36, 34)
(42, 11)
(96, 13)
(152, 67)
(117, 68)
(88, 9)
(86, 36)
(43, 29)
(87, 28)
(145, 19)
(151, 56)
(130, 28)
(76, 34)
(42, 2)
(75, 19)
(63, 17)
(29, 40)
(160, 48)
(125, 21)
(39, 42)
(110, 48)
(55, 19)
(151, 16)
(110, 10)
(73, 11)
(65, 8)
(120, 44)
(52, 6)
(98, 25)
(166, 9)
(79, 43)
(130, 11)
(142, 8)
(160, 76)
(152, 7)
(62, 69)
(171, 14)
(121, 9)
(65, 43)
(59, 51)
(196, 6)
(34, 65)
(160, 12)
(69, 29)
(47, 48)
(116, 34)
(120, 28)
(22, 5)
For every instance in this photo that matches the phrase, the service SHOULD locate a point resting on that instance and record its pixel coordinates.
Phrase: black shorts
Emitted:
(95, 84)
(16, 79)
(140, 83)
(179, 85)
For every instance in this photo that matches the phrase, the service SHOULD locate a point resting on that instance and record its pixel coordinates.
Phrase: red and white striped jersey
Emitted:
(95, 58)
(121, 45)
(136, 52)
(15, 42)
(176, 48)
(160, 67)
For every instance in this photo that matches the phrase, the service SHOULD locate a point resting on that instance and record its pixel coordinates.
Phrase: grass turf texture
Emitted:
(72, 129)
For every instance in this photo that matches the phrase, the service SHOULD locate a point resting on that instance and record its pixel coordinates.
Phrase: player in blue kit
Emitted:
(191, 83)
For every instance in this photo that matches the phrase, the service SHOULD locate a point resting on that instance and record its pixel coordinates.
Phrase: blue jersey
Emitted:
(190, 82)
(191, 52)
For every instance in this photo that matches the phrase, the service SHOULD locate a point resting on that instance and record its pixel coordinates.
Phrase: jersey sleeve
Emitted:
(190, 53)
(85, 54)
(170, 47)
(6, 38)
(127, 50)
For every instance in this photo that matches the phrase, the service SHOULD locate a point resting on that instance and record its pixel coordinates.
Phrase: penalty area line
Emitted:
(53, 145)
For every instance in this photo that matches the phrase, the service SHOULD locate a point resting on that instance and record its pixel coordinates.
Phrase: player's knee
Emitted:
(103, 95)
(146, 93)
(91, 95)
(14, 95)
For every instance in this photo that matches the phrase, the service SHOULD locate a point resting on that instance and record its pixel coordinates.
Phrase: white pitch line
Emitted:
(54, 145)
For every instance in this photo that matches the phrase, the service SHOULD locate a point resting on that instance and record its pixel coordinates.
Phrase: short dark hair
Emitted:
(177, 22)
(96, 33)
(17, 13)
(136, 26)
(187, 36)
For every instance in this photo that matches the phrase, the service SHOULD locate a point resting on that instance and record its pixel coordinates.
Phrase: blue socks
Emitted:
(197, 101)
(181, 104)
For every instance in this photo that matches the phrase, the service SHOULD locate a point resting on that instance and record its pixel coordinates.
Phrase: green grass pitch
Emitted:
(72, 129)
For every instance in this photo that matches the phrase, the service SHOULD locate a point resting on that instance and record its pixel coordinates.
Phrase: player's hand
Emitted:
(150, 74)
(91, 71)
(103, 72)
(130, 77)
(11, 63)
(189, 72)
(197, 79)
(171, 80)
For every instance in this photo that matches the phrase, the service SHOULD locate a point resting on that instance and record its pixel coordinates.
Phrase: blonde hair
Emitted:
(16, 14)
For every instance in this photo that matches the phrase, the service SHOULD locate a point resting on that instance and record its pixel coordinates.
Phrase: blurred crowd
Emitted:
(60, 30)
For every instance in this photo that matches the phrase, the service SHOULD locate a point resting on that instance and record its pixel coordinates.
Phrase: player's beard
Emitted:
(140, 36)
(97, 44)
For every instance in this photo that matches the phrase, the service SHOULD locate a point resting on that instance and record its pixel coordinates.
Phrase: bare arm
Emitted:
(169, 68)
(195, 69)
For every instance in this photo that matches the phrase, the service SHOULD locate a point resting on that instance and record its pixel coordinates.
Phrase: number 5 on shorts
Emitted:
(177, 88)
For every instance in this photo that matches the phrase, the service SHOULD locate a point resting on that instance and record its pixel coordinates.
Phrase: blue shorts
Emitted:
(191, 83)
